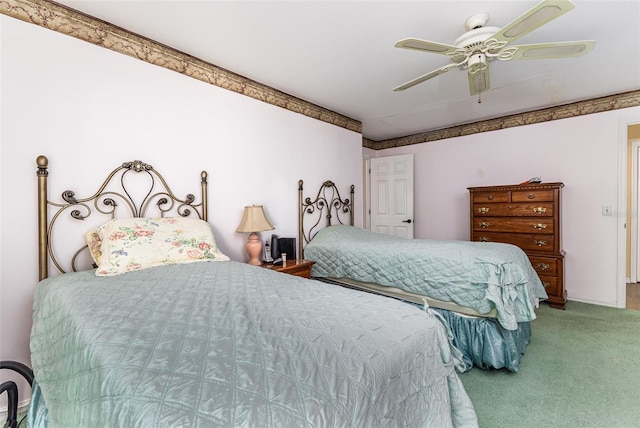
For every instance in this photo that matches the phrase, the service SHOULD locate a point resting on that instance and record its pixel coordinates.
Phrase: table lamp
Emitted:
(254, 220)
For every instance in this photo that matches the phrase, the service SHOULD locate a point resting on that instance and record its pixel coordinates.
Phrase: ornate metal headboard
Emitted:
(327, 201)
(157, 200)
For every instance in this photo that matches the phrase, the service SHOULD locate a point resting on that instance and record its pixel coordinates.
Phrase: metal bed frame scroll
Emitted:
(11, 388)
(135, 177)
(327, 201)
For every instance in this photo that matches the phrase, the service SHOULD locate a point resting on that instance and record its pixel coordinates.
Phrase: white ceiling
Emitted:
(340, 54)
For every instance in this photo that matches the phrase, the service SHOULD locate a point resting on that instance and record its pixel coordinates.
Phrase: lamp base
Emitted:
(254, 248)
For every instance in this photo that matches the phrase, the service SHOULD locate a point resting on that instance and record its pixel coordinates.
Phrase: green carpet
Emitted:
(582, 369)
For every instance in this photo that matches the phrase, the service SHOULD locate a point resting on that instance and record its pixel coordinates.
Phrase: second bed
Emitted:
(487, 292)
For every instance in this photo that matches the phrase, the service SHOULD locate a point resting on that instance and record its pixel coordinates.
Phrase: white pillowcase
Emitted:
(131, 244)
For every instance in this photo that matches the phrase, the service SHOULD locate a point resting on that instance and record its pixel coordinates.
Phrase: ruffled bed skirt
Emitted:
(485, 343)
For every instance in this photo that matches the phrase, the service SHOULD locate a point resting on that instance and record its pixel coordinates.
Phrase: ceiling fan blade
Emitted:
(479, 81)
(553, 50)
(536, 17)
(425, 77)
(426, 46)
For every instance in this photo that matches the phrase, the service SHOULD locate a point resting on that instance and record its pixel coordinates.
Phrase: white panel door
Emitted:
(392, 195)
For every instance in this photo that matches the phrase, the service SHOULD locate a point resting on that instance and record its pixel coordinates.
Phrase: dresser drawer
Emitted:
(550, 284)
(547, 266)
(519, 225)
(543, 209)
(490, 197)
(528, 242)
(532, 195)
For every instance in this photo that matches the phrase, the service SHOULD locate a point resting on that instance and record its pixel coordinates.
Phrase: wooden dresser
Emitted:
(526, 215)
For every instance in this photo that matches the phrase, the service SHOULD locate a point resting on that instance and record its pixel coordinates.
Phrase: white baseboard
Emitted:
(593, 302)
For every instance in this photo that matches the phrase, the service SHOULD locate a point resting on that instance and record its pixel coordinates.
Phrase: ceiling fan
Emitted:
(480, 45)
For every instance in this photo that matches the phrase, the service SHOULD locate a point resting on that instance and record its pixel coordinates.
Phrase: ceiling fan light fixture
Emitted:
(477, 62)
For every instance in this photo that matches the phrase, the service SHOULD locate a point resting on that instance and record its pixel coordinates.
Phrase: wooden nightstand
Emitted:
(292, 267)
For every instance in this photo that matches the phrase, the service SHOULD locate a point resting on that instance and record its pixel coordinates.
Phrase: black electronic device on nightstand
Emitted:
(281, 246)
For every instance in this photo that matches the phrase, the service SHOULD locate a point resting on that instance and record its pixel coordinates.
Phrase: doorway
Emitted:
(631, 291)
(633, 220)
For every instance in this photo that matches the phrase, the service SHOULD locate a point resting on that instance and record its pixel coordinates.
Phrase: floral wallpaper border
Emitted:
(60, 18)
(68, 21)
(596, 105)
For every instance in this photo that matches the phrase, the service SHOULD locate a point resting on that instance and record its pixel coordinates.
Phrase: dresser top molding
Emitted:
(530, 186)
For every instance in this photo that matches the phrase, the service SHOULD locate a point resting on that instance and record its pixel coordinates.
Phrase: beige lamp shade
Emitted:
(254, 220)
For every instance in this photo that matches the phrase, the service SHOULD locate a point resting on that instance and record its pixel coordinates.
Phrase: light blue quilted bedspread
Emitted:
(226, 344)
(479, 275)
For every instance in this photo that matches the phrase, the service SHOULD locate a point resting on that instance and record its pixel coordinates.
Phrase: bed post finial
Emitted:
(43, 164)
(43, 264)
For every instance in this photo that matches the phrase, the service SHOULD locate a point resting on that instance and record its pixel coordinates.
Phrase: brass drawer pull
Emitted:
(540, 242)
(484, 224)
(490, 197)
(531, 196)
(540, 226)
(483, 239)
(546, 284)
(483, 210)
(539, 210)
(542, 266)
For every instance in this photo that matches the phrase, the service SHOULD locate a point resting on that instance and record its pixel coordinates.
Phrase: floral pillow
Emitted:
(132, 244)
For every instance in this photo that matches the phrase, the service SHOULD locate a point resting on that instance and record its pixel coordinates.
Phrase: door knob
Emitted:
(406, 221)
